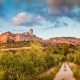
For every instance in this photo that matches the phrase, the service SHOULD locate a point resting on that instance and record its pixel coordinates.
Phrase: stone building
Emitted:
(8, 36)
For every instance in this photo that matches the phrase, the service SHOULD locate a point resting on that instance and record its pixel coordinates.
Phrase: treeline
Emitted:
(71, 52)
(14, 44)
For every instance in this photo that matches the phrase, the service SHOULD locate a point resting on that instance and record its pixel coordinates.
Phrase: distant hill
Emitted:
(60, 40)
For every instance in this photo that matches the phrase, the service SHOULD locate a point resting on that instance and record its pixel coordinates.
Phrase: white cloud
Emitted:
(25, 19)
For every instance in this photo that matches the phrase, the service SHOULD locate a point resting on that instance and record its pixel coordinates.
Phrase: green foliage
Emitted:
(29, 64)
(70, 57)
(76, 70)
(75, 57)
(12, 44)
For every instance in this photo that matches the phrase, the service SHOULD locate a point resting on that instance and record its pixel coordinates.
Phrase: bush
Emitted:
(27, 64)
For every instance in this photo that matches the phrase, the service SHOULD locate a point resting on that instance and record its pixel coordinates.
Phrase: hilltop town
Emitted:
(29, 35)
(17, 37)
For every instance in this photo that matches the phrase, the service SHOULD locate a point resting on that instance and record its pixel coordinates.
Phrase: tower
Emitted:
(31, 32)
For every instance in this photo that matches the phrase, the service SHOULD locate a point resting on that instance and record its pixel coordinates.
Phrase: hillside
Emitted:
(8, 37)
(18, 37)
(60, 40)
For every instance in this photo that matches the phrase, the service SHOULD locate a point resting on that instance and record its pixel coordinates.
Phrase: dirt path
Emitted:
(64, 73)
(14, 49)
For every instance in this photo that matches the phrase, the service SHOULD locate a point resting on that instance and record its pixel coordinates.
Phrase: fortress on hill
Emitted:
(29, 35)
(9, 36)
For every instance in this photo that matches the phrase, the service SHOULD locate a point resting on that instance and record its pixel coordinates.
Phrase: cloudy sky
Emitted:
(48, 18)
